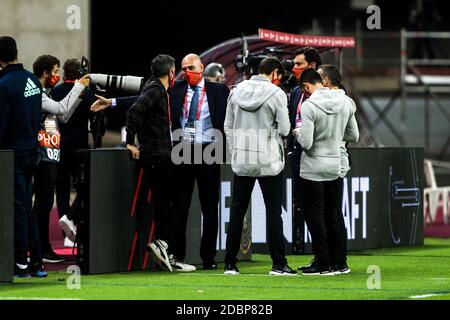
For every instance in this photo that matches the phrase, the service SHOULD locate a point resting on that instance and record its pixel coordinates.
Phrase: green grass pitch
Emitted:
(412, 273)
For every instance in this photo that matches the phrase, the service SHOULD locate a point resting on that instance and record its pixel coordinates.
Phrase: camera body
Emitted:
(85, 67)
(248, 64)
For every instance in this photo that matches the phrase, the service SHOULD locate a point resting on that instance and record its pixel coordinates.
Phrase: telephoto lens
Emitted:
(129, 84)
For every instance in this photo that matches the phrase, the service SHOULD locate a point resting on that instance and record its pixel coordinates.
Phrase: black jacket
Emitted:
(149, 119)
(217, 94)
(20, 111)
(293, 104)
(75, 132)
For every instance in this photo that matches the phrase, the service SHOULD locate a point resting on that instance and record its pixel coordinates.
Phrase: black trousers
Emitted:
(208, 182)
(44, 190)
(321, 205)
(159, 173)
(26, 233)
(298, 245)
(271, 188)
(69, 170)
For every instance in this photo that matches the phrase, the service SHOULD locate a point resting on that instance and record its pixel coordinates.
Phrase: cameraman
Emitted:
(46, 68)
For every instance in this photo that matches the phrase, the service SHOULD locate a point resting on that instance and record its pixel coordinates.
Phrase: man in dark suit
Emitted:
(198, 108)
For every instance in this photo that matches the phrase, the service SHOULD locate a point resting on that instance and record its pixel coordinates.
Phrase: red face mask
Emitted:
(276, 82)
(193, 78)
(52, 81)
(171, 81)
(298, 72)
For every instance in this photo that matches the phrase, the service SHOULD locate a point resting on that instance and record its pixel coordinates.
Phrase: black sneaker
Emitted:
(37, 270)
(283, 270)
(158, 252)
(341, 269)
(52, 257)
(316, 270)
(210, 266)
(21, 273)
(302, 268)
(231, 269)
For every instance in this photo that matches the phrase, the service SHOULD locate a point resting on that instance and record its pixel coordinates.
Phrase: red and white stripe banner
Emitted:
(302, 40)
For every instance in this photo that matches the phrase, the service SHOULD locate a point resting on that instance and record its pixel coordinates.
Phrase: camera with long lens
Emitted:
(112, 83)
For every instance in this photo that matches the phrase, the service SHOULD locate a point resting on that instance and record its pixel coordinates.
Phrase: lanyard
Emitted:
(299, 106)
(168, 109)
(186, 109)
(170, 119)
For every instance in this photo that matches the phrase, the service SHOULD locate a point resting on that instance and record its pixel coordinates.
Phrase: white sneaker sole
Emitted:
(53, 261)
(158, 258)
(273, 273)
(340, 272)
(184, 270)
(231, 273)
(330, 274)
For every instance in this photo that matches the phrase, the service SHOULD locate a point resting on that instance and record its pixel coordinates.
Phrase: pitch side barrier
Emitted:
(6, 215)
(382, 207)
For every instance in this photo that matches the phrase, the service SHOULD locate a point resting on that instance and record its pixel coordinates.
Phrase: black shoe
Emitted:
(316, 270)
(231, 269)
(282, 270)
(210, 266)
(302, 268)
(52, 257)
(37, 270)
(341, 269)
(21, 273)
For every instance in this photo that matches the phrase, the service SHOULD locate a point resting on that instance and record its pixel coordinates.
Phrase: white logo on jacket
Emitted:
(31, 89)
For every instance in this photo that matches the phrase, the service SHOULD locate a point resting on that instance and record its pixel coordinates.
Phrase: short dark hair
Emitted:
(310, 76)
(311, 55)
(161, 65)
(269, 64)
(72, 69)
(8, 49)
(44, 63)
(332, 73)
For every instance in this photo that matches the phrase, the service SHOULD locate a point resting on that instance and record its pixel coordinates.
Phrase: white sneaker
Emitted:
(68, 227)
(180, 266)
(68, 243)
(158, 252)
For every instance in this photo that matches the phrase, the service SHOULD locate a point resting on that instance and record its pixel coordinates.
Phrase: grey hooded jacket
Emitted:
(328, 120)
(257, 120)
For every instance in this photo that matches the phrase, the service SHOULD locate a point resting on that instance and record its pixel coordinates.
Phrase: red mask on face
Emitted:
(276, 82)
(193, 78)
(171, 81)
(52, 81)
(298, 72)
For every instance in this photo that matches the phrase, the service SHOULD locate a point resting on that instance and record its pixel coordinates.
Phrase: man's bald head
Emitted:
(192, 62)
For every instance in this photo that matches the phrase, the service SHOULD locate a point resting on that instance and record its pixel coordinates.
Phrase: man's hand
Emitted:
(101, 104)
(296, 132)
(134, 151)
(84, 81)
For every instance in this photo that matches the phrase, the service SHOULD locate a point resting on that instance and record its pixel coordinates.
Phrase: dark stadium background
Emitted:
(126, 35)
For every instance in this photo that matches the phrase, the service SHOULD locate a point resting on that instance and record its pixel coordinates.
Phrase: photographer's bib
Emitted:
(49, 139)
